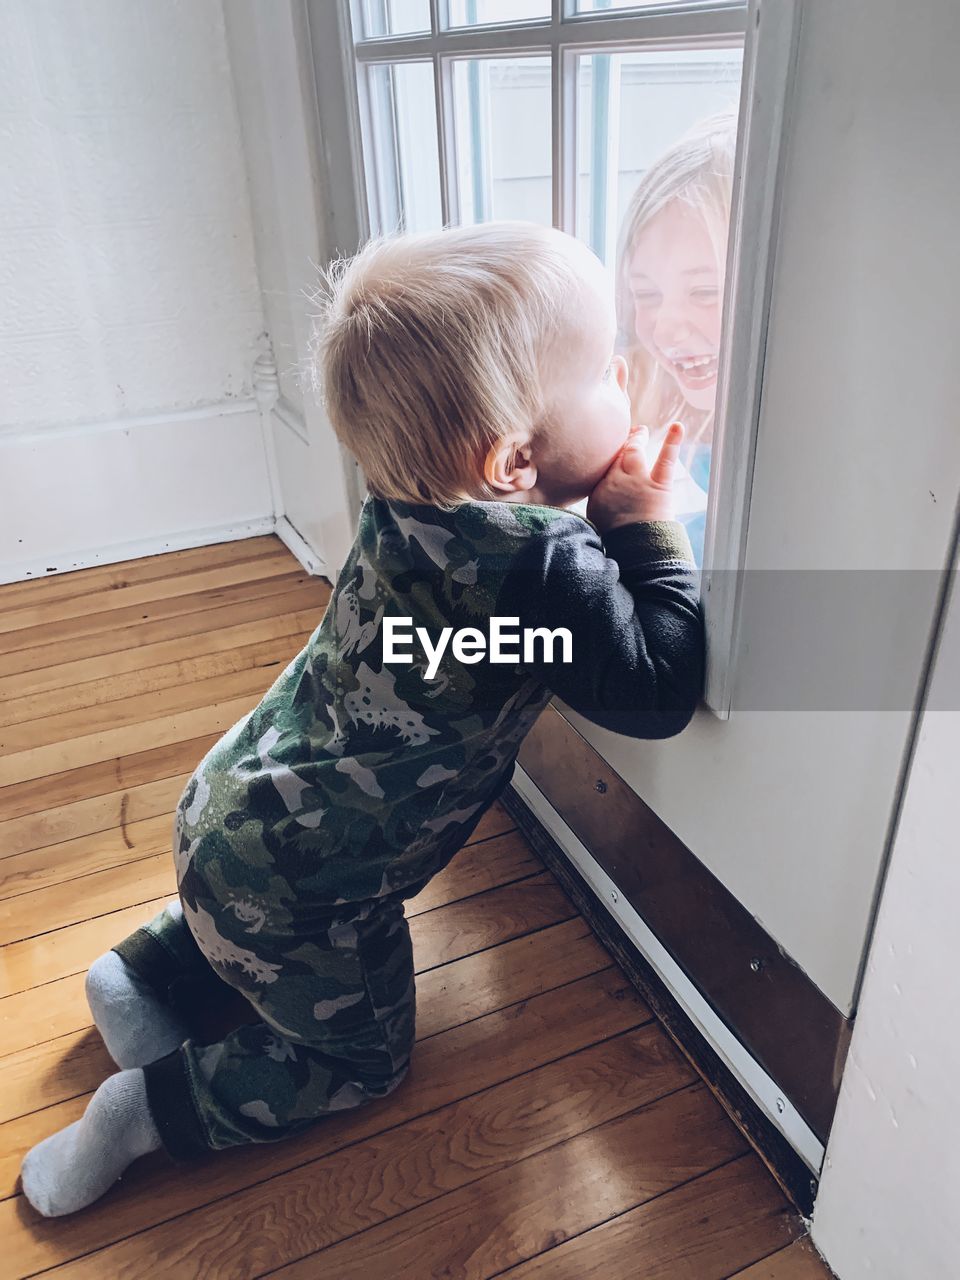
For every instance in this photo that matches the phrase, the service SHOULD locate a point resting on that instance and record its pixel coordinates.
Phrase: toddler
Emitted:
(471, 373)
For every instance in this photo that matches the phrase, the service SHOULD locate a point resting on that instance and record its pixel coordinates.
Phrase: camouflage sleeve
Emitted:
(633, 610)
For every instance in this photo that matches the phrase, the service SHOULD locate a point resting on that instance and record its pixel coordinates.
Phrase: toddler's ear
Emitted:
(509, 465)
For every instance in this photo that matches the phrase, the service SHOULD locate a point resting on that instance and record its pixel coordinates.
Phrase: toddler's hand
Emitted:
(630, 491)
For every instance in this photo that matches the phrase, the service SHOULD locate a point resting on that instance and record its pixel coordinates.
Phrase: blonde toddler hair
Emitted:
(430, 348)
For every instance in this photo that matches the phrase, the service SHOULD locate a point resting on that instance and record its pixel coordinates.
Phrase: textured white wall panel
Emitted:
(270, 50)
(131, 314)
(126, 251)
(110, 493)
(887, 1208)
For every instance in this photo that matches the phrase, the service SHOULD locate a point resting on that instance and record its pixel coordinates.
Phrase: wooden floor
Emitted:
(548, 1127)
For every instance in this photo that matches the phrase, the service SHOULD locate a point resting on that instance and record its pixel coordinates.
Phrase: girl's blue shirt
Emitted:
(696, 524)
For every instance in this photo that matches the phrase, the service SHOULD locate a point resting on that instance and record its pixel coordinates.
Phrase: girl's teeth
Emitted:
(698, 369)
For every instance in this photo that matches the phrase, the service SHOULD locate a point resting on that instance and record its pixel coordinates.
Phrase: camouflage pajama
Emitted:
(334, 1027)
(355, 780)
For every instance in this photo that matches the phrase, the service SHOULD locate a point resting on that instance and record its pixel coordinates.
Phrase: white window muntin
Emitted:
(707, 24)
(679, 19)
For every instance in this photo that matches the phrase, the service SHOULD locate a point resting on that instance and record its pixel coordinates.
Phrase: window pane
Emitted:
(471, 13)
(597, 6)
(400, 146)
(503, 171)
(393, 17)
(656, 145)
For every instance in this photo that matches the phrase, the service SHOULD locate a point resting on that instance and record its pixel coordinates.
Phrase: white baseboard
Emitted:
(308, 558)
(105, 492)
(182, 541)
(761, 1088)
(134, 550)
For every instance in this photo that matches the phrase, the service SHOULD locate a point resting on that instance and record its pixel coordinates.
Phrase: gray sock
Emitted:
(137, 1027)
(74, 1167)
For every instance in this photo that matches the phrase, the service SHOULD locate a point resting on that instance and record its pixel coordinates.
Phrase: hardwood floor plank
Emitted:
(31, 1017)
(101, 816)
(19, 1135)
(46, 910)
(55, 864)
(382, 1177)
(41, 910)
(475, 869)
(447, 997)
(30, 617)
(446, 1068)
(164, 623)
(105, 779)
(249, 646)
(254, 679)
(167, 564)
(515, 970)
(495, 822)
(96, 747)
(306, 603)
(463, 928)
(700, 1231)
(508, 858)
(799, 1261)
(532, 1205)
(280, 575)
(44, 1074)
(59, 953)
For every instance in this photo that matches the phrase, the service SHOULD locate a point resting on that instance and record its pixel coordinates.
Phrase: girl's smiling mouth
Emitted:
(694, 371)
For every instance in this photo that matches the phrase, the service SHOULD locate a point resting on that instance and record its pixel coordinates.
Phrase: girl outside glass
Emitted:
(670, 279)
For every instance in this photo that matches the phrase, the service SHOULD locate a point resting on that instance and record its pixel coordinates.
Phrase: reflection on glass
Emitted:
(503, 171)
(403, 180)
(380, 18)
(656, 148)
(472, 13)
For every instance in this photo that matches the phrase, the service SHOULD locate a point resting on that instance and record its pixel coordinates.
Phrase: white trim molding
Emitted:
(120, 552)
(93, 493)
(266, 389)
(761, 1088)
(19, 433)
(292, 540)
(766, 88)
(290, 417)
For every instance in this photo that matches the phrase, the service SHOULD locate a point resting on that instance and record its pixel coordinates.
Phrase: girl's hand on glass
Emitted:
(630, 491)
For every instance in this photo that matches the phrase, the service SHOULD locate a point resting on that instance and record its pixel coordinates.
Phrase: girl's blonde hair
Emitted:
(698, 170)
(429, 348)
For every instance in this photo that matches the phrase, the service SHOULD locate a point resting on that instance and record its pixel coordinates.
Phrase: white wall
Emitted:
(290, 179)
(890, 1195)
(858, 467)
(131, 305)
